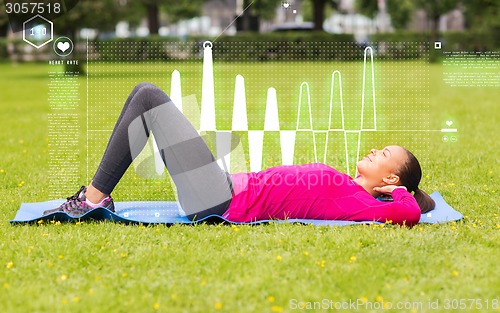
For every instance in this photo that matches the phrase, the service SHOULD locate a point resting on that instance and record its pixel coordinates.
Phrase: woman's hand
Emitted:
(388, 189)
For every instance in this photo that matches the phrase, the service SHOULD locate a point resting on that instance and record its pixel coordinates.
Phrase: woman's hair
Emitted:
(410, 174)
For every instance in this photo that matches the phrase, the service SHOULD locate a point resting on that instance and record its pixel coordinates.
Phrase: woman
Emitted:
(311, 191)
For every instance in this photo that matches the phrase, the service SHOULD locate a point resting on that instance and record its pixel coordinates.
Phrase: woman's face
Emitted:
(382, 166)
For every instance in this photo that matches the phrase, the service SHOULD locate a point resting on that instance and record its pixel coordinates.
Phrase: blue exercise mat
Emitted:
(169, 212)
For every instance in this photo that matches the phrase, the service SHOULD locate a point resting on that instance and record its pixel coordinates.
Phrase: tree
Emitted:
(482, 14)
(101, 15)
(367, 7)
(400, 12)
(153, 14)
(265, 9)
(256, 9)
(434, 9)
(4, 21)
(319, 12)
(175, 10)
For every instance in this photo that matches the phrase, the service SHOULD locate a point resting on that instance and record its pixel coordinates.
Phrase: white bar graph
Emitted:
(287, 141)
(207, 122)
(336, 115)
(272, 122)
(255, 144)
(176, 89)
(240, 120)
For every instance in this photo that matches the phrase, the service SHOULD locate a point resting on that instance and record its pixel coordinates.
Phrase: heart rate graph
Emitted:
(272, 123)
(303, 134)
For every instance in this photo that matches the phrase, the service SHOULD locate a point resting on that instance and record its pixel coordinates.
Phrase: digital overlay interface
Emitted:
(258, 104)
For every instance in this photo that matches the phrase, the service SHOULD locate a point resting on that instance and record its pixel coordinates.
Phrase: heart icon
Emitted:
(286, 5)
(63, 46)
(449, 123)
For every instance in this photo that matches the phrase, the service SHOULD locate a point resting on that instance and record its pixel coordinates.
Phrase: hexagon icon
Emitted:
(38, 31)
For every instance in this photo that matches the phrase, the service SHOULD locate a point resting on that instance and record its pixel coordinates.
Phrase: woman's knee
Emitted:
(142, 85)
(149, 96)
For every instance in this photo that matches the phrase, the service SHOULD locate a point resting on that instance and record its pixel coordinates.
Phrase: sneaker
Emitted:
(76, 206)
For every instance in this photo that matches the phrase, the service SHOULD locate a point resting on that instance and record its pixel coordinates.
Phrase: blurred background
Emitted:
(462, 25)
(271, 43)
(55, 122)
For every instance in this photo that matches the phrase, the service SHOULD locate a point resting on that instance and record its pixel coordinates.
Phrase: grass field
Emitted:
(107, 267)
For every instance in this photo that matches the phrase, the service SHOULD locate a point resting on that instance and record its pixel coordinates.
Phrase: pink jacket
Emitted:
(313, 191)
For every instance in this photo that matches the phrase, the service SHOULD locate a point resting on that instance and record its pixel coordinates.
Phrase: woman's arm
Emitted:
(362, 206)
(404, 210)
(387, 190)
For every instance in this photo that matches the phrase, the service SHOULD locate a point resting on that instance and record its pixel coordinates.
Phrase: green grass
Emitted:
(102, 266)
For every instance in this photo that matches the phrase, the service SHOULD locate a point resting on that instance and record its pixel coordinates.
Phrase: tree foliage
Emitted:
(4, 20)
(265, 9)
(318, 7)
(435, 8)
(102, 15)
(253, 11)
(482, 14)
(400, 12)
(175, 10)
(367, 7)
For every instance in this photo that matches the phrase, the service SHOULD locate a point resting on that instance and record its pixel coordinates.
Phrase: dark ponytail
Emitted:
(424, 201)
(409, 176)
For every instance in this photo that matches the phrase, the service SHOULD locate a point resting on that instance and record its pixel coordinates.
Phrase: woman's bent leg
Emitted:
(92, 193)
(117, 156)
(203, 187)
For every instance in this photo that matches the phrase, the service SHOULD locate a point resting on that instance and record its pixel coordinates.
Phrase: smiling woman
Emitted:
(321, 192)
(310, 191)
(393, 167)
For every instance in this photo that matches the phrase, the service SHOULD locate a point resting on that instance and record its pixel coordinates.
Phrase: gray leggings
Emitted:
(203, 188)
